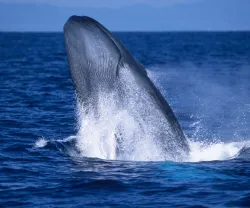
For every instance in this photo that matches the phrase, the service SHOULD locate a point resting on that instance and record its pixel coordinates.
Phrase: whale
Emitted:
(101, 65)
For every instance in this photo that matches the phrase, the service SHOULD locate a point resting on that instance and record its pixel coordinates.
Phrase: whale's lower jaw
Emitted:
(104, 73)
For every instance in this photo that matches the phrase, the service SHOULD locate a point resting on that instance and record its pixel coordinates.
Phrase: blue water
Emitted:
(205, 78)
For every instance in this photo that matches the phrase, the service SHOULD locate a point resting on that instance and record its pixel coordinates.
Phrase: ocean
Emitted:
(203, 75)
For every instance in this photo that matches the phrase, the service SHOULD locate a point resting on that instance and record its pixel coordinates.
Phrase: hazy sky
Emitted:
(101, 3)
(136, 15)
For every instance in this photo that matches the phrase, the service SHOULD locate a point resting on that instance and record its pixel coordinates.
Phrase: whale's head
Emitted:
(94, 55)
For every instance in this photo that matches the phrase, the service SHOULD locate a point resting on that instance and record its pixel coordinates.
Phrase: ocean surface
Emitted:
(204, 76)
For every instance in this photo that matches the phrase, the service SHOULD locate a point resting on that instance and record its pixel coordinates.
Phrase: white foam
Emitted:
(67, 139)
(201, 151)
(98, 135)
(40, 143)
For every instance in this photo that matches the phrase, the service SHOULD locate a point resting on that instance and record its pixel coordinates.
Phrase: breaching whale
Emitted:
(100, 64)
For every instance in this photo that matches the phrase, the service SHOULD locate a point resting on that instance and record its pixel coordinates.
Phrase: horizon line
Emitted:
(128, 31)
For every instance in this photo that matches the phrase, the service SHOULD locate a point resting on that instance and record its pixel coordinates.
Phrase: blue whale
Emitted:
(99, 64)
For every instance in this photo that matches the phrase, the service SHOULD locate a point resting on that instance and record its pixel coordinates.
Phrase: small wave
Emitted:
(66, 145)
(67, 139)
(102, 184)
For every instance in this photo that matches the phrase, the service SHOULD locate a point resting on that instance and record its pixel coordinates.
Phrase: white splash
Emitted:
(201, 151)
(40, 143)
(99, 136)
(101, 132)
(123, 130)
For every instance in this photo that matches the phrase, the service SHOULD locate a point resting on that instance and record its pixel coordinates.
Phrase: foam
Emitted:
(98, 136)
(40, 143)
(202, 151)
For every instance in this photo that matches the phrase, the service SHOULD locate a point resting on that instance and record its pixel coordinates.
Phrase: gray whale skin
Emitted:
(98, 60)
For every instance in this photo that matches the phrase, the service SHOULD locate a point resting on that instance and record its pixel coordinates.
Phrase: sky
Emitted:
(128, 15)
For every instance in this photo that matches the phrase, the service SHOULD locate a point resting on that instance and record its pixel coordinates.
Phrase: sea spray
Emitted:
(126, 124)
